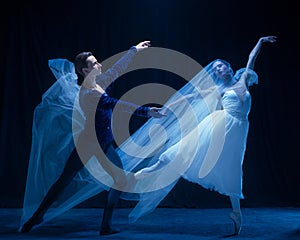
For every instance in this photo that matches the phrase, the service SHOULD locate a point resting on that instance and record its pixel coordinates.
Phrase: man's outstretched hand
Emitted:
(155, 112)
(142, 45)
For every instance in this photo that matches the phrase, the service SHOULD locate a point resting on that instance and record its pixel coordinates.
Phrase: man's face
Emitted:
(92, 66)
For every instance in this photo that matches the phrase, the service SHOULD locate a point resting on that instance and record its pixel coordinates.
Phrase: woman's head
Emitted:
(222, 70)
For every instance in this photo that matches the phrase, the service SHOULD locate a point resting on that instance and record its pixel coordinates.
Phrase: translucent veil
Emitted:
(55, 129)
(52, 142)
(146, 145)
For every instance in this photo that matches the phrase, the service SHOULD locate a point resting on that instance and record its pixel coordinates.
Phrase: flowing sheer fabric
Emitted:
(175, 142)
(54, 134)
(53, 141)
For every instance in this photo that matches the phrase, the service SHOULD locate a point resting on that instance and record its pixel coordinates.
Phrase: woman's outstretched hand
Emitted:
(270, 39)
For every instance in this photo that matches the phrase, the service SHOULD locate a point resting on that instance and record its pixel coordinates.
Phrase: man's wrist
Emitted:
(133, 48)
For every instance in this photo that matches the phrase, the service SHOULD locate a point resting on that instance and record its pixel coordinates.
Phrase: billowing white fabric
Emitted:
(209, 152)
(52, 142)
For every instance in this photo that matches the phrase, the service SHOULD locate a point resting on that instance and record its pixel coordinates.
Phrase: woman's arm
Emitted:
(256, 50)
(181, 100)
(194, 95)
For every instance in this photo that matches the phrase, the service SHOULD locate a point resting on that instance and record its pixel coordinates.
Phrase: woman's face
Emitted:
(222, 71)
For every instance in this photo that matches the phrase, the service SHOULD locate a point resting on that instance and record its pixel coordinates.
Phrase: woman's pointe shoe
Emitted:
(236, 217)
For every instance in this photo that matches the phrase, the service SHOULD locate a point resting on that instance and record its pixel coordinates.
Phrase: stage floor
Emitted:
(162, 224)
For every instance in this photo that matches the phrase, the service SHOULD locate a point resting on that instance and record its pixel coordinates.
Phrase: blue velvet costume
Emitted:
(103, 113)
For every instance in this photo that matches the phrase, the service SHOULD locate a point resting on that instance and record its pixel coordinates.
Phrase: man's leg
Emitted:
(73, 165)
(113, 194)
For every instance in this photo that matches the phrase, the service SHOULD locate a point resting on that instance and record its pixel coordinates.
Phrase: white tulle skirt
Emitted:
(211, 155)
(214, 153)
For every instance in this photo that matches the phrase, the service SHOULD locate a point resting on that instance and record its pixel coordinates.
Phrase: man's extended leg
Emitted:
(73, 165)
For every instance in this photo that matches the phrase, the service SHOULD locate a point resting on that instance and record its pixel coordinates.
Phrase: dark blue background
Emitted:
(33, 32)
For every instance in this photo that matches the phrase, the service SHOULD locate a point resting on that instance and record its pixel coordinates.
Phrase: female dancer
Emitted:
(212, 153)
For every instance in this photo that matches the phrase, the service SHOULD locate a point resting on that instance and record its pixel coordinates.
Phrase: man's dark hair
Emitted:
(80, 61)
